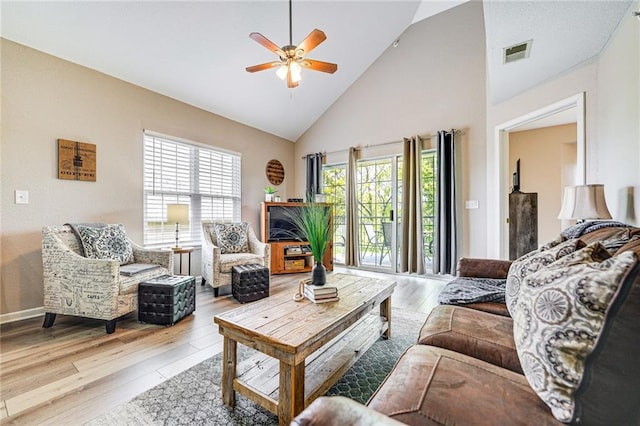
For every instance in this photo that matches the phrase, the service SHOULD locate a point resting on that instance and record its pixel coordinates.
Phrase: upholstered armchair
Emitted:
(93, 288)
(220, 256)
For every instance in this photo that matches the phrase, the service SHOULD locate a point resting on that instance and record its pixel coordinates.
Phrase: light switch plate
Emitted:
(22, 197)
(471, 204)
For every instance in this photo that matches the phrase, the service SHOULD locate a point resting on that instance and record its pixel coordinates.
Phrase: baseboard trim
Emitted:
(21, 315)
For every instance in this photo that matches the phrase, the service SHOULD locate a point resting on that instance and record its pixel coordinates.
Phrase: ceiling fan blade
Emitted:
(262, 67)
(267, 43)
(314, 38)
(312, 64)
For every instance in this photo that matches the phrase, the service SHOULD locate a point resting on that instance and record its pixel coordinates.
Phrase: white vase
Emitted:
(268, 197)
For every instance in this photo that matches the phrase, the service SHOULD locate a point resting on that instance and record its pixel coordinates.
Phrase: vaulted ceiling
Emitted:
(196, 52)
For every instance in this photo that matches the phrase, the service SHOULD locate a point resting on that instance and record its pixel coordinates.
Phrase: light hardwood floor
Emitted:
(73, 372)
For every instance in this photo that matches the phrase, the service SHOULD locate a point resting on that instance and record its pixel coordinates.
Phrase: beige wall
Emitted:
(45, 98)
(433, 80)
(544, 159)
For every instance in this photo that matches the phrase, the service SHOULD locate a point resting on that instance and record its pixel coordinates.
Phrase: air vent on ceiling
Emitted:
(517, 51)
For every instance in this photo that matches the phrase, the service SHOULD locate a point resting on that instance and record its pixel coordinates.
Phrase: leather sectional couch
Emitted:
(478, 365)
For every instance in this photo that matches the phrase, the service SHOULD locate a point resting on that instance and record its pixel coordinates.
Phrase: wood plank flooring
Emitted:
(73, 372)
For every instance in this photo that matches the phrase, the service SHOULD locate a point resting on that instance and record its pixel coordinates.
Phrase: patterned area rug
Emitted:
(193, 397)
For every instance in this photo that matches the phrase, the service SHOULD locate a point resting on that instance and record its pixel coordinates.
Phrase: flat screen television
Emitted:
(281, 227)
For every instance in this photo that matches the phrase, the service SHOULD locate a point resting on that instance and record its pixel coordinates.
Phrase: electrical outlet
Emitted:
(471, 204)
(22, 197)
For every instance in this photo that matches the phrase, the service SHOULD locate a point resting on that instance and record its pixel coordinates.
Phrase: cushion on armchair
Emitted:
(105, 242)
(232, 237)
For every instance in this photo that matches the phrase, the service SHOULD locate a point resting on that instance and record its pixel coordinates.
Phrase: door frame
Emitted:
(499, 175)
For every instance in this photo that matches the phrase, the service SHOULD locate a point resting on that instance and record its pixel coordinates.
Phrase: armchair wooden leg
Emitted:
(203, 281)
(111, 326)
(49, 318)
(215, 291)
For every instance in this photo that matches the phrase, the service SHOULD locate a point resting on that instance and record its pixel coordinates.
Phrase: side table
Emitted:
(180, 251)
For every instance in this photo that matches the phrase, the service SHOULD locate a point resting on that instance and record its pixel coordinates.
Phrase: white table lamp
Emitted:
(178, 214)
(584, 202)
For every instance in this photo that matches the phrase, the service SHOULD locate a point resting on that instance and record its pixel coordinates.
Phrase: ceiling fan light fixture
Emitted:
(282, 72)
(296, 71)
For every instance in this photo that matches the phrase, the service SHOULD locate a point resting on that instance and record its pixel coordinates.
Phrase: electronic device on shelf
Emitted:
(295, 200)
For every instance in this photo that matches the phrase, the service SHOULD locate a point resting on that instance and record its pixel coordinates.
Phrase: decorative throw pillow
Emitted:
(594, 252)
(532, 262)
(559, 317)
(232, 237)
(106, 242)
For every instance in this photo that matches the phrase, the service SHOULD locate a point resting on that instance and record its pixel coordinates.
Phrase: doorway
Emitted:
(500, 173)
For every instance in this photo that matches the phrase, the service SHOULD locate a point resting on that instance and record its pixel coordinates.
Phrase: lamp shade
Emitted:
(584, 202)
(568, 203)
(178, 213)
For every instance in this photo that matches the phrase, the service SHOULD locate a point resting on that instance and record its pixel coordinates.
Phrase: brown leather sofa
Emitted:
(465, 368)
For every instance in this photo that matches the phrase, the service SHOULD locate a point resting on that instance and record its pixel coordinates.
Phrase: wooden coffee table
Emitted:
(305, 347)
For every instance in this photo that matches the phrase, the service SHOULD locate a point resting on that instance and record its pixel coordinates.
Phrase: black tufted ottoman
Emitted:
(166, 299)
(249, 282)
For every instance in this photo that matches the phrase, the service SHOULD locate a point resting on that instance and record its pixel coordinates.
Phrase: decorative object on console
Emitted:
(584, 202)
(178, 214)
(268, 193)
(292, 57)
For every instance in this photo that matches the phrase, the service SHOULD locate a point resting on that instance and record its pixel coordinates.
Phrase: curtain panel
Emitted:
(445, 250)
(314, 176)
(412, 247)
(352, 245)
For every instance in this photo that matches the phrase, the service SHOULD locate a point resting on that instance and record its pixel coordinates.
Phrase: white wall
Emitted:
(433, 80)
(45, 98)
(611, 83)
(618, 116)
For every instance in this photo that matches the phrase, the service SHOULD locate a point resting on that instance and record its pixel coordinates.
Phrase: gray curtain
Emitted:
(352, 245)
(314, 175)
(412, 247)
(445, 249)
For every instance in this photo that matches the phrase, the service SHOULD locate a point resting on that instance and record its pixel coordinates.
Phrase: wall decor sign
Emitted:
(76, 160)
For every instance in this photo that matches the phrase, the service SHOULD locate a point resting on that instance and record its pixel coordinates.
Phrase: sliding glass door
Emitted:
(379, 193)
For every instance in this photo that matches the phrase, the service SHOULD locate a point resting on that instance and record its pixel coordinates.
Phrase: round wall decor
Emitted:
(275, 172)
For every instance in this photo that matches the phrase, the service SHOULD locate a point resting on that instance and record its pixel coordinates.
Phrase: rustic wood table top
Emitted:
(289, 332)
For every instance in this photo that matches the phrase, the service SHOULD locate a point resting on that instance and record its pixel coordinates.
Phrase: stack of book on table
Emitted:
(321, 293)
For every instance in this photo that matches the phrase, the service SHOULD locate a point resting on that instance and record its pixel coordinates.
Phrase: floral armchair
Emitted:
(226, 245)
(93, 288)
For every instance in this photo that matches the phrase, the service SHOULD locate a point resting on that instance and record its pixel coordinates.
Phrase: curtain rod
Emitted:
(358, 148)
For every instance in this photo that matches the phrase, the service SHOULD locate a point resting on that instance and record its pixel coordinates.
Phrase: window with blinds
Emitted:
(175, 172)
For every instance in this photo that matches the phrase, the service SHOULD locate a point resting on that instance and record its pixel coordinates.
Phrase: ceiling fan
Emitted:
(292, 58)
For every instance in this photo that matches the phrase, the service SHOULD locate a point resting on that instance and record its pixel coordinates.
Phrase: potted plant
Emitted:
(313, 220)
(268, 193)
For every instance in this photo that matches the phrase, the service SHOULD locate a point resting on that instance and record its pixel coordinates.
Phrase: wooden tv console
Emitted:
(290, 257)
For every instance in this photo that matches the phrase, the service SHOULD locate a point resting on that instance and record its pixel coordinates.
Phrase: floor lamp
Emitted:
(178, 214)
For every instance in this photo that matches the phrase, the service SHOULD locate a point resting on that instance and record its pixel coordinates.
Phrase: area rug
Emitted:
(193, 397)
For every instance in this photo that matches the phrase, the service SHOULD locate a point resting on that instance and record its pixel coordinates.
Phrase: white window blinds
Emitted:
(175, 172)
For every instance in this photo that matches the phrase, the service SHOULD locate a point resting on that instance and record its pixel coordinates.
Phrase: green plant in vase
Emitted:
(268, 193)
(313, 220)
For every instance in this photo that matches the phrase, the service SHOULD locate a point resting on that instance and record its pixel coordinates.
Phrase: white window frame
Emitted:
(178, 171)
